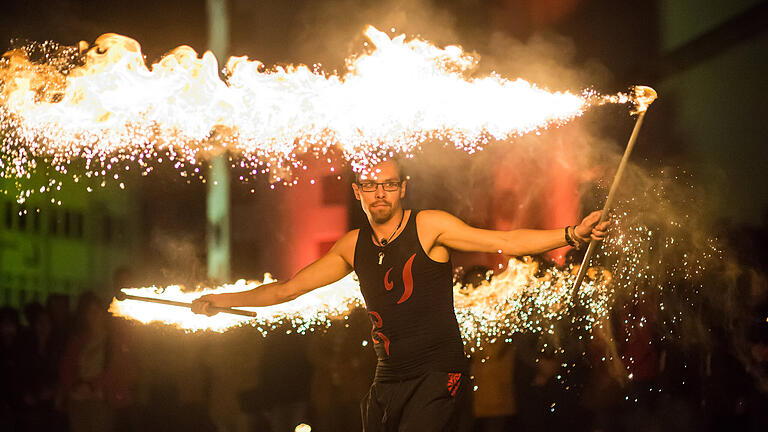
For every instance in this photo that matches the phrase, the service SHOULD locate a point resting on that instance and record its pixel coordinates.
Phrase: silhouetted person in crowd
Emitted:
(57, 306)
(40, 370)
(96, 370)
(10, 367)
(342, 367)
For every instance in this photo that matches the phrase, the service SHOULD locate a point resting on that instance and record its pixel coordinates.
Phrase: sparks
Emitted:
(519, 299)
(105, 106)
(642, 265)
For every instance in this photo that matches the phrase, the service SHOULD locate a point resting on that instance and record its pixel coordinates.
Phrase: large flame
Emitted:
(309, 311)
(106, 105)
(521, 298)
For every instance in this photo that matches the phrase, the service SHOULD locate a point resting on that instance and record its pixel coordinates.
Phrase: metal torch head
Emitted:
(644, 97)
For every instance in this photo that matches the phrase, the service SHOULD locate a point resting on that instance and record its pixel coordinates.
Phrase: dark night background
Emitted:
(707, 59)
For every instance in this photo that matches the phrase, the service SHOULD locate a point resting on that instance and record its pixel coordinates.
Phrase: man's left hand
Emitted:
(589, 229)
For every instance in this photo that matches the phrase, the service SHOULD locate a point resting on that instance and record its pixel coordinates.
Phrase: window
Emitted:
(67, 223)
(8, 214)
(21, 216)
(53, 221)
(35, 216)
(76, 219)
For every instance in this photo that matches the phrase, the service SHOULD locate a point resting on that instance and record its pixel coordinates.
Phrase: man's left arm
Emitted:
(453, 233)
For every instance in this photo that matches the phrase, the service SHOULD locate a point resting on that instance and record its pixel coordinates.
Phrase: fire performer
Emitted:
(402, 259)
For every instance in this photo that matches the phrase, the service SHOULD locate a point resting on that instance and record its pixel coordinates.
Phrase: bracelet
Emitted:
(568, 238)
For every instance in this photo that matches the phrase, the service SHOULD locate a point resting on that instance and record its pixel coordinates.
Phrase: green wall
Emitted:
(70, 245)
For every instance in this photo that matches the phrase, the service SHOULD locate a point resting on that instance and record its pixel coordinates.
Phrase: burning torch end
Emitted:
(122, 296)
(644, 97)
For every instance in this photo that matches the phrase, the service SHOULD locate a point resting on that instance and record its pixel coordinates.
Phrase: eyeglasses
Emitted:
(389, 186)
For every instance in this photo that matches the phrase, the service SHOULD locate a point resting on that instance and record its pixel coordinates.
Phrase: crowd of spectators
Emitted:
(60, 370)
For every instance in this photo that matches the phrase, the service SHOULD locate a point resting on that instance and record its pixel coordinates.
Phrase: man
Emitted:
(402, 259)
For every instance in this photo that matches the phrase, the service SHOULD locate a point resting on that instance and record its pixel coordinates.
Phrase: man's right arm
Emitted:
(329, 268)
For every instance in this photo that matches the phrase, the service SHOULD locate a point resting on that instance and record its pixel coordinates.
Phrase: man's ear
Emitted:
(402, 190)
(356, 190)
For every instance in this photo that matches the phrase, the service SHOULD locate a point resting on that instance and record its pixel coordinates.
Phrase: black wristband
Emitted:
(568, 239)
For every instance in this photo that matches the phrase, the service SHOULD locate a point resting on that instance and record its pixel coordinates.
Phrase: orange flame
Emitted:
(402, 93)
(521, 298)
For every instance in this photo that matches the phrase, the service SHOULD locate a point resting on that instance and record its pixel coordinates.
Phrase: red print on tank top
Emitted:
(377, 323)
(453, 383)
(387, 283)
(407, 280)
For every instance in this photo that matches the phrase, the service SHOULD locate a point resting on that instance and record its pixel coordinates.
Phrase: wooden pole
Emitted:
(644, 97)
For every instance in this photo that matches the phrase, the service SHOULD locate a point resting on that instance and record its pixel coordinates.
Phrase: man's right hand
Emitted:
(202, 305)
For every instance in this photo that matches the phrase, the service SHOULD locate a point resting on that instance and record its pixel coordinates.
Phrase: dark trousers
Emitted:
(435, 401)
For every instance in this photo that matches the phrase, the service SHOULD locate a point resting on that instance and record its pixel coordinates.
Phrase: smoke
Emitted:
(332, 31)
(548, 59)
(176, 258)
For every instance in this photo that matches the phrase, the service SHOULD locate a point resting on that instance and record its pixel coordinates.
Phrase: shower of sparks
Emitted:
(653, 272)
(665, 264)
(104, 106)
(524, 299)
(518, 299)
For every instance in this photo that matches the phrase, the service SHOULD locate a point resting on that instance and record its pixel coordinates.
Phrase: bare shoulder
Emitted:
(432, 223)
(345, 246)
(434, 219)
(348, 239)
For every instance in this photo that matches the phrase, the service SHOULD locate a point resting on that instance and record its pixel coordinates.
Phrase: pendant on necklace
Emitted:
(381, 257)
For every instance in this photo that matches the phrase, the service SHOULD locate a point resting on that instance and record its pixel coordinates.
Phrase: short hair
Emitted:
(395, 160)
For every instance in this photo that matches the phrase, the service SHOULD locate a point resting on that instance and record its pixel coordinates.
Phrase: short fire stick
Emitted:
(123, 296)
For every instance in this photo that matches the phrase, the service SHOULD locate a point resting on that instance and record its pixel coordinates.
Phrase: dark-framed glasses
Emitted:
(389, 186)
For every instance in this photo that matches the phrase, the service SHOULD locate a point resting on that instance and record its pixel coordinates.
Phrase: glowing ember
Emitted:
(517, 299)
(106, 106)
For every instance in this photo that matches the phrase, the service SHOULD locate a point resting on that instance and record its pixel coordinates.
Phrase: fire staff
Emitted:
(402, 259)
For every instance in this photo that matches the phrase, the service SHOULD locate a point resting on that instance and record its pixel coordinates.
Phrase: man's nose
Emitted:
(380, 193)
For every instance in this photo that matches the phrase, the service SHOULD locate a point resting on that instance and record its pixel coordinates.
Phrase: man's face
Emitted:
(380, 205)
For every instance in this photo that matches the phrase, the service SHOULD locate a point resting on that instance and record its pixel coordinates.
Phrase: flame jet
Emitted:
(106, 105)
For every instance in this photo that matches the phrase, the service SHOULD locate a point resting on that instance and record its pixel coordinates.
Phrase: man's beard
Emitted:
(382, 215)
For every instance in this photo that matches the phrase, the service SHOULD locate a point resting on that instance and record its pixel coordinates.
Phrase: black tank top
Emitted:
(409, 298)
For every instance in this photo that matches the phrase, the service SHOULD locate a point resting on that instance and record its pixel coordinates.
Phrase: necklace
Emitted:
(385, 242)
